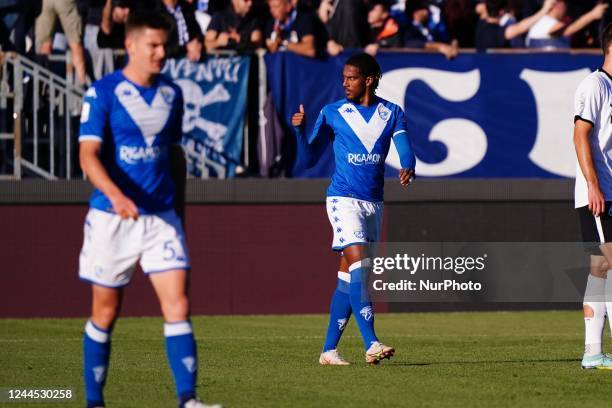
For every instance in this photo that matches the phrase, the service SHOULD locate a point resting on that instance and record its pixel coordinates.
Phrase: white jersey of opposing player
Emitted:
(593, 103)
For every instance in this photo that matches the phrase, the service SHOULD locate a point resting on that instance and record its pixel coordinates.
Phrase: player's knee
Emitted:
(588, 311)
(176, 309)
(105, 315)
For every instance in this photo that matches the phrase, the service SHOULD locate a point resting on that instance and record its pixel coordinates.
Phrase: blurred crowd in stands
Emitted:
(312, 28)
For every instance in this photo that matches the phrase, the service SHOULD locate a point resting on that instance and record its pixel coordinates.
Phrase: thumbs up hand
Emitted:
(299, 118)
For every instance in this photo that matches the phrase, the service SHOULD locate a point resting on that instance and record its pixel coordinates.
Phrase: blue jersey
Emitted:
(361, 139)
(138, 126)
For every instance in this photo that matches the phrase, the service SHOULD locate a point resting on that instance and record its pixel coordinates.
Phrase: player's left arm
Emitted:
(404, 149)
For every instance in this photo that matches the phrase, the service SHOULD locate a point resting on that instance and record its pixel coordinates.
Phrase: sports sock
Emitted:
(339, 312)
(593, 326)
(360, 302)
(182, 355)
(96, 353)
(608, 298)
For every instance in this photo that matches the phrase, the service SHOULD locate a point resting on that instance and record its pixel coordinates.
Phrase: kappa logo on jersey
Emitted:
(342, 324)
(91, 93)
(368, 132)
(150, 119)
(99, 373)
(190, 363)
(366, 312)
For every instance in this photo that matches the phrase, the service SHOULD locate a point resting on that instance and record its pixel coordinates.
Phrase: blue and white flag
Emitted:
(214, 93)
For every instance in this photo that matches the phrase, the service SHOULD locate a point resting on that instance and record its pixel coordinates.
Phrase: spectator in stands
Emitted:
(461, 18)
(185, 38)
(66, 11)
(101, 59)
(346, 22)
(384, 30)
(507, 18)
(490, 33)
(28, 10)
(436, 23)
(553, 30)
(234, 28)
(112, 24)
(290, 29)
(417, 32)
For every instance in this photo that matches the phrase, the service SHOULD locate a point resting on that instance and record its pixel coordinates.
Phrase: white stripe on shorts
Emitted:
(602, 239)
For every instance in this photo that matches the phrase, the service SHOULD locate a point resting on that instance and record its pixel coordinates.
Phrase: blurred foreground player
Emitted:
(361, 127)
(129, 149)
(593, 197)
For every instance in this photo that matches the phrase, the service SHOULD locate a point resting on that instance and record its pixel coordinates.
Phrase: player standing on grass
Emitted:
(593, 197)
(130, 151)
(361, 127)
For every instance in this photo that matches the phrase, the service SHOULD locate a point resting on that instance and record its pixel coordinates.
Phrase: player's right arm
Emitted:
(94, 119)
(582, 133)
(587, 106)
(89, 157)
(307, 147)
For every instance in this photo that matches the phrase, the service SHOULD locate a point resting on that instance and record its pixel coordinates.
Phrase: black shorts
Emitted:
(595, 230)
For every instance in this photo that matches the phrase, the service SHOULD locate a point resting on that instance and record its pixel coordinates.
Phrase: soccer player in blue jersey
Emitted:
(130, 150)
(361, 127)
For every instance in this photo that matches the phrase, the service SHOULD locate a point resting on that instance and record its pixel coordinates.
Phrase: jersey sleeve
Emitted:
(94, 116)
(402, 141)
(309, 147)
(588, 101)
(321, 129)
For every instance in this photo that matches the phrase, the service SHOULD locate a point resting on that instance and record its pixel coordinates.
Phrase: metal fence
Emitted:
(39, 114)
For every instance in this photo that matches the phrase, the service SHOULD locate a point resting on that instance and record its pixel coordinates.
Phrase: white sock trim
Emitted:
(177, 329)
(344, 276)
(364, 262)
(96, 334)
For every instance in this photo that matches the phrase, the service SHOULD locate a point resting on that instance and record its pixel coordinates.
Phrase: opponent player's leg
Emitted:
(106, 303)
(339, 314)
(594, 305)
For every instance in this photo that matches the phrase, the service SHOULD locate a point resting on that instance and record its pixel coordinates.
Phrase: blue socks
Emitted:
(339, 312)
(360, 302)
(182, 356)
(96, 353)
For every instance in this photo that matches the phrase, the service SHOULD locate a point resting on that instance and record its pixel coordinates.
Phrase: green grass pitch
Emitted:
(498, 359)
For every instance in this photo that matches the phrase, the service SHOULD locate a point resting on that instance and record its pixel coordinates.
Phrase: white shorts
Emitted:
(354, 221)
(112, 246)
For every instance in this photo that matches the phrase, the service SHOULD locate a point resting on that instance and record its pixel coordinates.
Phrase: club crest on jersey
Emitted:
(358, 159)
(383, 112)
(167, 93)
(366, 312)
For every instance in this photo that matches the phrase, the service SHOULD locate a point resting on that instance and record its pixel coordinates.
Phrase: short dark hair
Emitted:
(143, 18)
(606, 38)
(494, 7)
(367, 66)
